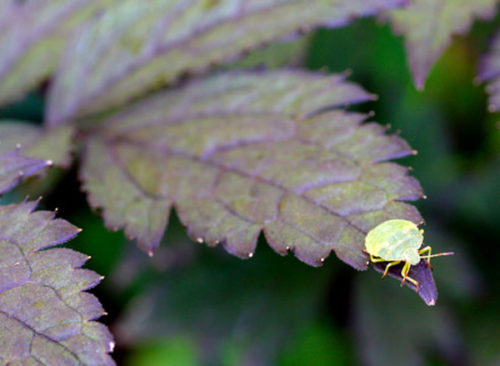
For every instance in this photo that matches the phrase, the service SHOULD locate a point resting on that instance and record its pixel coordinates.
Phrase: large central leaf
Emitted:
(133, 48)
(244, 153)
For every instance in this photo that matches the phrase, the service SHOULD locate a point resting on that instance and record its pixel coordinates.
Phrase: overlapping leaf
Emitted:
(45, 318)
(32, 35)
(26, 149)
(134, 48)
(428, 27)
(243, 153)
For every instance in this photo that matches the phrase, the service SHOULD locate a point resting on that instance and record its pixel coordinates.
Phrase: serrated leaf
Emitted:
(32, 36)
(429, 25)
(26, 149)
(153, 45)
(489, 70)
(243, 153)
(45, 318)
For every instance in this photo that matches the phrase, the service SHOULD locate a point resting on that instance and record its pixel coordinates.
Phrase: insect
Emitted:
(396, 241)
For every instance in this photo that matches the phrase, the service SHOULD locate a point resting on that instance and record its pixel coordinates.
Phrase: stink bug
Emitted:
(397, 241)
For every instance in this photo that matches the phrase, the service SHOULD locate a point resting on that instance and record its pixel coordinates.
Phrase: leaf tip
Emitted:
(419, 79)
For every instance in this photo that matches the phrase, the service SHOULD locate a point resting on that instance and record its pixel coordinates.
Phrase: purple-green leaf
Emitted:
(429, 25)
(245, 153)
(45, 318)
(421, 273)
(133, 48)
(26, 149)
(32, 36)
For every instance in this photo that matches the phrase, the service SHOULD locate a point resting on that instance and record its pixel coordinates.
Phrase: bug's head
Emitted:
(411, 256)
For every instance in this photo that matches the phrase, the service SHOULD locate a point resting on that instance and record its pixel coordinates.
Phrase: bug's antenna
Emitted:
(436, 255)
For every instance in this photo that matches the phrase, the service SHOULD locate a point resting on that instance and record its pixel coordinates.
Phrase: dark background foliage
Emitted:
(192, 305)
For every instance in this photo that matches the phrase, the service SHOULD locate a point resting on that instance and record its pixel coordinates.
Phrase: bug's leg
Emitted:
(376, 260)
(427, 250)
(415, 282)
(404, 274)
(389, 265)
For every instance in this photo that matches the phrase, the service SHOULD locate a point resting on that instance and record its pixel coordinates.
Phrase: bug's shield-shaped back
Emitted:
(421, 272)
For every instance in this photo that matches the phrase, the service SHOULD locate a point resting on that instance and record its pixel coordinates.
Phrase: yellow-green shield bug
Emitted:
(398, 241)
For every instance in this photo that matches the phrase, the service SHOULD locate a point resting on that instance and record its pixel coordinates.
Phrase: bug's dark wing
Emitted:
(421, 273)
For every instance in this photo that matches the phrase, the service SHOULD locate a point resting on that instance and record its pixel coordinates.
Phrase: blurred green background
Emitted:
(191, 305)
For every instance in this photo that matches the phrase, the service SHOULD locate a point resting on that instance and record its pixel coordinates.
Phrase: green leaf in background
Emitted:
(391, 329)
(318, 344)
(32, 36)
(428, 27)
(244, 153)
(45, 318)
(153, 45)
(232, 312)
(104, 246)
(180, 351)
